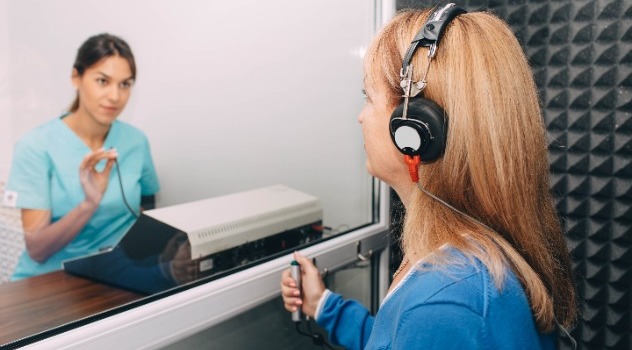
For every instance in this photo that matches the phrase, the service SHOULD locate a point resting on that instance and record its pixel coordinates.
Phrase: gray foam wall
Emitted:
(581, 53)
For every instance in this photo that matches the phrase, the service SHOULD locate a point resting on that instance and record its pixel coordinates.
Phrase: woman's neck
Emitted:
(90, 132)
(404, 192)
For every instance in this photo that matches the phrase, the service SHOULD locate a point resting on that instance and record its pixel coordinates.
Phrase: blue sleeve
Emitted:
(149, 179)
(29, 177)
(440, 326)
(347, 322)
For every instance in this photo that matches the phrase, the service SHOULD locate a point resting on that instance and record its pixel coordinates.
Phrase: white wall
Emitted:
(233, 95)
(6, 122)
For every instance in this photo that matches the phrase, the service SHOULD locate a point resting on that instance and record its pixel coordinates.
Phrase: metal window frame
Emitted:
(175, 317)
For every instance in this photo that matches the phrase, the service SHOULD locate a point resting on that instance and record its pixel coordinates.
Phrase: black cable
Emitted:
(567, 335)
(298, 329)
(317, 338)
(118, 171)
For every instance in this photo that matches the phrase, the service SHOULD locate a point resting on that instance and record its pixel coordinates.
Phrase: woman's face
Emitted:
(104, 89)
(383, 160)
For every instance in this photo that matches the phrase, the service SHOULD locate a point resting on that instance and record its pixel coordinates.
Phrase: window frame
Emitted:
(174, 317)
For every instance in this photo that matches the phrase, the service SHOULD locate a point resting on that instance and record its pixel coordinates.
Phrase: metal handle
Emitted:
(362, 257)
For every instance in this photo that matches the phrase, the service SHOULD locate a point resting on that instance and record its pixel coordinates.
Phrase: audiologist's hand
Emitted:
(312, 285)
(94, 182)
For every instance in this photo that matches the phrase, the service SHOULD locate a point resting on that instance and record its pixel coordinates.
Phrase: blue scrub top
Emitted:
(45, 175)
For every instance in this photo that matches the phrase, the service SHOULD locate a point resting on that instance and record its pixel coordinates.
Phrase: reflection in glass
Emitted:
(175, 245)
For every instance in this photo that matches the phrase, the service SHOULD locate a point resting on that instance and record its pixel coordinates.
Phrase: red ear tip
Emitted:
(413, 166)
(412, 160)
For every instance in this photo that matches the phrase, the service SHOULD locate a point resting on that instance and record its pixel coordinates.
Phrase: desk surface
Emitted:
(40, 303)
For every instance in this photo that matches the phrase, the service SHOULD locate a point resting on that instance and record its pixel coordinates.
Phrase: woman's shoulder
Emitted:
(462, 281)
(129, 129)
(39, 136)
(458, 303)
(450, 281)
(126, 135)
(460, 299)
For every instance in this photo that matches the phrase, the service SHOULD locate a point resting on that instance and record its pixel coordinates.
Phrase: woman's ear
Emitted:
(75, 78)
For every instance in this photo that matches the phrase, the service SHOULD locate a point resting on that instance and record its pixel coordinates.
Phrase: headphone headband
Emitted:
(430, 34)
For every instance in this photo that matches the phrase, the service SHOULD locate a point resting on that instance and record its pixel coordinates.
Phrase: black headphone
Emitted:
(418, 126)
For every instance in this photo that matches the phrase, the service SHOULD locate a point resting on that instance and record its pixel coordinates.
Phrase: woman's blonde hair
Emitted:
(495, 166)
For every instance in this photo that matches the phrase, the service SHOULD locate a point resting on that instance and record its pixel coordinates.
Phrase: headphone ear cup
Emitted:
(422, 132)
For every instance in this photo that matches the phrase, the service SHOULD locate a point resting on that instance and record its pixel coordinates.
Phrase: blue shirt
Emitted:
(45, 175)
(456, 306)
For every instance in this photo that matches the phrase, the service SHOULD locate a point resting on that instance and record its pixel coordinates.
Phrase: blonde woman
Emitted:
(485, 263)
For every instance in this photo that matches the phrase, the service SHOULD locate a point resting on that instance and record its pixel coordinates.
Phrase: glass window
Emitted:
(234, 97)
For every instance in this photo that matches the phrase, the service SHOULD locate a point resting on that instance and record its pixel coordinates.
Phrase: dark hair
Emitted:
(96, 48)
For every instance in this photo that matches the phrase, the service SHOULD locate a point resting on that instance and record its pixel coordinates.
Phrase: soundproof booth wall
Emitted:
(581, 54)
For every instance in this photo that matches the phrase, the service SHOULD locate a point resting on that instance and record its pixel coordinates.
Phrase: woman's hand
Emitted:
(183, 268)
(44, 238)
(93, 182)
(311, 283)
